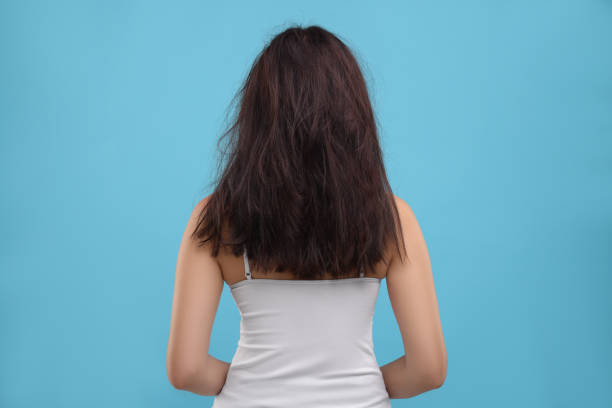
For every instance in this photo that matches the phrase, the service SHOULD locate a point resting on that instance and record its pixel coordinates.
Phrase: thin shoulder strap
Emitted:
(247, 270)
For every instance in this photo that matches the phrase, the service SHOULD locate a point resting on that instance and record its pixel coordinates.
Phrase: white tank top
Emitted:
(304, 344)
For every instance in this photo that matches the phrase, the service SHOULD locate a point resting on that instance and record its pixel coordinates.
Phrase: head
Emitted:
(301, 182)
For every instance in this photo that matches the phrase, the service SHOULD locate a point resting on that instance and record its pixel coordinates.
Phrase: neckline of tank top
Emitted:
(303, 281)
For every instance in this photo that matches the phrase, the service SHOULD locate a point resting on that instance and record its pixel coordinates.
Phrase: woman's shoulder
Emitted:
(402, 205)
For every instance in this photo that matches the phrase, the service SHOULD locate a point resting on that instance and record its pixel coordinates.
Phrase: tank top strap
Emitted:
(247, 270)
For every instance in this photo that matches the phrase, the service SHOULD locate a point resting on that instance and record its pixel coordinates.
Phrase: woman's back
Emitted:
(304, 343)
(303, 188)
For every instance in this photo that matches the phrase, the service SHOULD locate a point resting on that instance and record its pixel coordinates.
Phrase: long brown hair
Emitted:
(301, 183)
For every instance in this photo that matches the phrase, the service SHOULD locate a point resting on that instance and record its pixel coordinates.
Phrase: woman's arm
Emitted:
(198, 286)
(413, 298)
(209, 380)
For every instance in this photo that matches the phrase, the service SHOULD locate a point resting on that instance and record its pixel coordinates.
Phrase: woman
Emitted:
(302, 227)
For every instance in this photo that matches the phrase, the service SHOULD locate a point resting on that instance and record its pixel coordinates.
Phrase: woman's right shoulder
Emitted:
(408, 220)
(410, 234)
(402, 206)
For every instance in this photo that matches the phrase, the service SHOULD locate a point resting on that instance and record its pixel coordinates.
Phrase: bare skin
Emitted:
(413, 297)
(199, 283)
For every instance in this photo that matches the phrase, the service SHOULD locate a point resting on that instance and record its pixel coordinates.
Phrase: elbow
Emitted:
(436, 375)
(179, 380)
(437, 380)
(179, 375)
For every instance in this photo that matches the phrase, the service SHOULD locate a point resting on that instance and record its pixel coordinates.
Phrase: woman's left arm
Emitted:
(198, 285)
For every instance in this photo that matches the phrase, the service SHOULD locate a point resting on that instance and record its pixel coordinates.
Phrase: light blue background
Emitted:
(496, 123)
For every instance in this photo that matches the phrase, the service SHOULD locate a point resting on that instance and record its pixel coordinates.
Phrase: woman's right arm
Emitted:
(413, 298)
